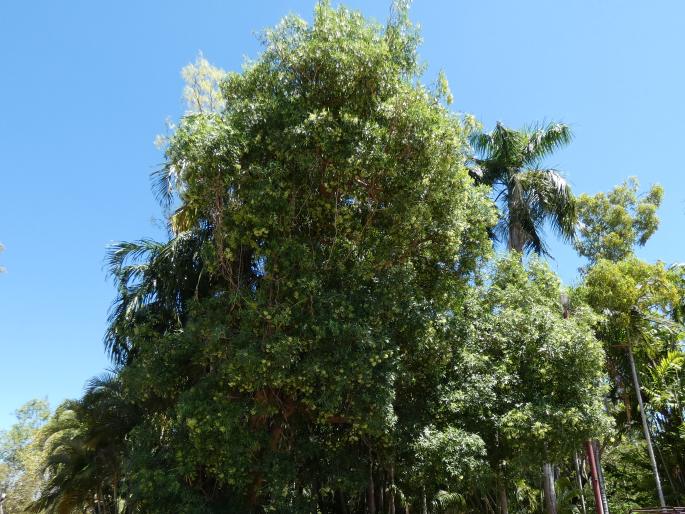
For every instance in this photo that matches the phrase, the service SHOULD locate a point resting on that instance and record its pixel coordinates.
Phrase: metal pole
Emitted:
(645, 427)
(599, 507)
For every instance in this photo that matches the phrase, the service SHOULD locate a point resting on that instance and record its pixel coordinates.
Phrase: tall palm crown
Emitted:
(528, 194)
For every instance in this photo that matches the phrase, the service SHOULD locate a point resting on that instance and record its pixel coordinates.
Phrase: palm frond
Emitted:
(552, 198)
(165, 184)
(155, 282)
(543, 141)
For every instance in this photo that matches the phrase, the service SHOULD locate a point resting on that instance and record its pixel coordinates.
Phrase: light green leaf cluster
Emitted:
(612, 224)
(545, 370)
(21, 456)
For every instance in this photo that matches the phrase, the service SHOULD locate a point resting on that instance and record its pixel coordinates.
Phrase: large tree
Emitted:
(528, 194)
(288, 341)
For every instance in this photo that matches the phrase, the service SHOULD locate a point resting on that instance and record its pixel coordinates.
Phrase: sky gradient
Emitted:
(88, 86)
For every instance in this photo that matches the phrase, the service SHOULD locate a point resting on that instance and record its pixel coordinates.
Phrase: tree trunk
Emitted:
(424, 500)
(599, 508)
(548, 486)
(341, 502)
(391, 494)
(371, 493)
(517, 239)
(503, 500)
(576, 462)
(381, 493)
(645, 426)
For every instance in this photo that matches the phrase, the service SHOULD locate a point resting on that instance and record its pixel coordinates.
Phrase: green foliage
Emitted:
(84, 449)
(201, 92)
(612, 224)
(637, 300)
(531, 384)
(20, 456)
(628, 475)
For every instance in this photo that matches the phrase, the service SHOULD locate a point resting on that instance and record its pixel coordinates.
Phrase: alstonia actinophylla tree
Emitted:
(324, 229)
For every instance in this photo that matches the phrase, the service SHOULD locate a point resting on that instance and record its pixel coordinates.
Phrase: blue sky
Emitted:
(88, 85)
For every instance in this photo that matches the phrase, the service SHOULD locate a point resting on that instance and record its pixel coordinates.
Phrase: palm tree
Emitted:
(84, 445)
(155, 282)
(528, 195)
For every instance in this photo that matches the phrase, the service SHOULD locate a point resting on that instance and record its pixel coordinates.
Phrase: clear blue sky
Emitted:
(86, 86)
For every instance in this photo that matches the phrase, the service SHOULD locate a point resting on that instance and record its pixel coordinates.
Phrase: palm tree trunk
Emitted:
(516, 238)
(548, 486)
(645, 426)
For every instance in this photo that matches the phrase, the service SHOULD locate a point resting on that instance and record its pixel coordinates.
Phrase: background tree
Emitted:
(611, 225)
(20, 456)
(531, 385)
(640, 304)
(84, 452)
(528, 195)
